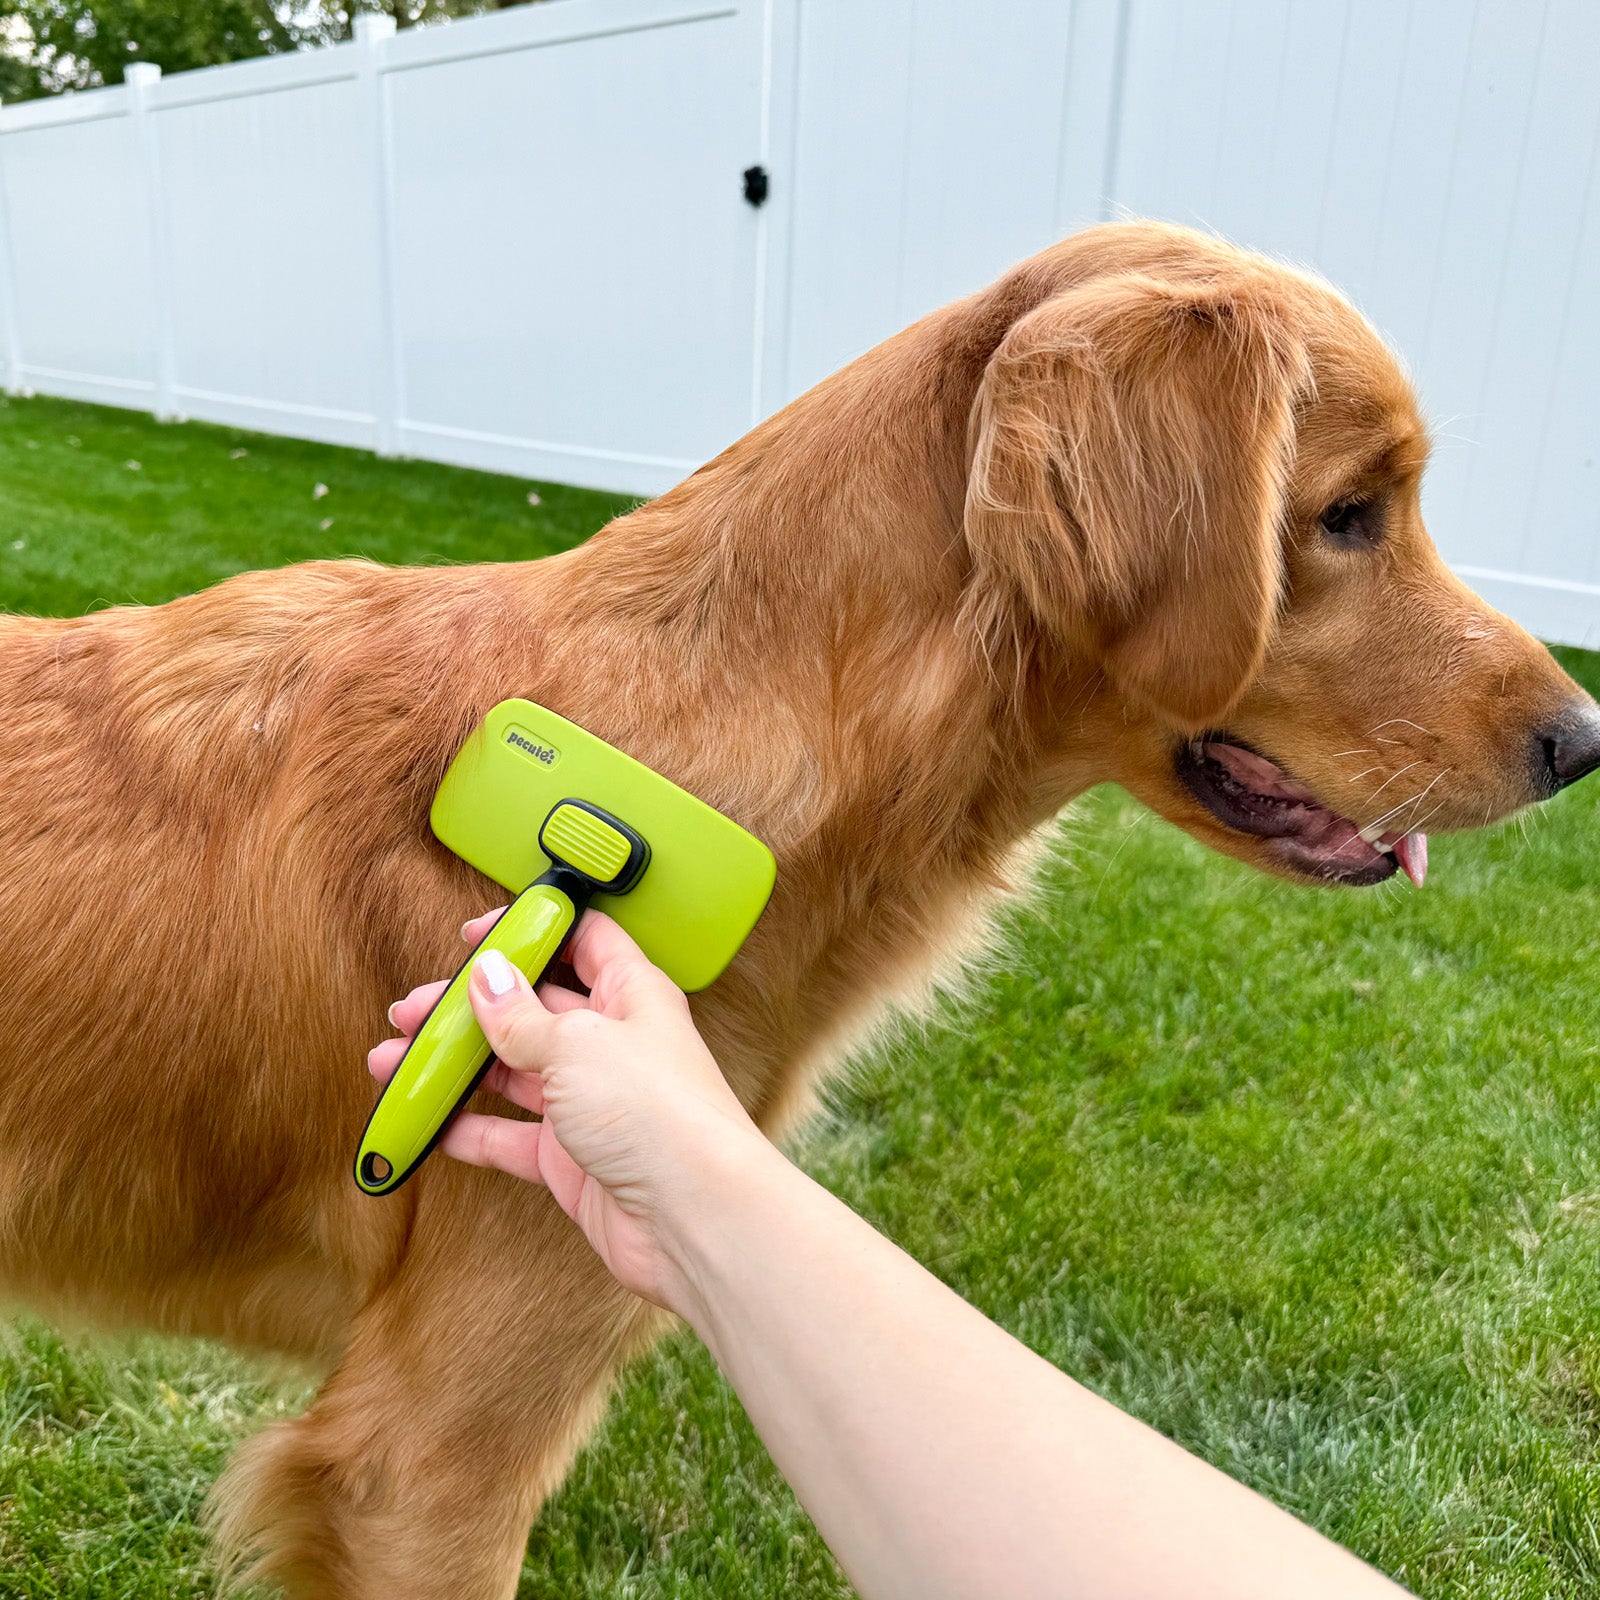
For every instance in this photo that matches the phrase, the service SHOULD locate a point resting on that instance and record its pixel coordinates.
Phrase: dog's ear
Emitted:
(1129, 446)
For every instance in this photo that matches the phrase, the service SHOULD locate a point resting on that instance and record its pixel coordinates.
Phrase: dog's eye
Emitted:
(1352, 524)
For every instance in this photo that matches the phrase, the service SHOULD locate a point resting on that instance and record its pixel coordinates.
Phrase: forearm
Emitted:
(856, 1369)
(937, 1455)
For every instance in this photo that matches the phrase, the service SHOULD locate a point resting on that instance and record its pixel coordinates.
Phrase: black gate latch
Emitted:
(756, 185)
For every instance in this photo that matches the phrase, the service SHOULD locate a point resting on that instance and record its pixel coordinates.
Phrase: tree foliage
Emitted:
(54, 45)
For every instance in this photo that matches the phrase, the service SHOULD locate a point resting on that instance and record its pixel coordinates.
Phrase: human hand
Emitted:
(639, 1129)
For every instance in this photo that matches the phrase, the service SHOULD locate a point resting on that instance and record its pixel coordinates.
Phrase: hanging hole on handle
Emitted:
(374, 1169)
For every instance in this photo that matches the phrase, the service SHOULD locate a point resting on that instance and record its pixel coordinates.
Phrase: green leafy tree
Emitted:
(75, 44)
(18, 79)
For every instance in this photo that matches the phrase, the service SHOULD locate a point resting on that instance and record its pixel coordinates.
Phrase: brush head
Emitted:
(502, 807)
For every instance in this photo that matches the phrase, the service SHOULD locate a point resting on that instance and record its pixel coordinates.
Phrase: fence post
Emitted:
(141, 77)
(371, 33)
(8, 284)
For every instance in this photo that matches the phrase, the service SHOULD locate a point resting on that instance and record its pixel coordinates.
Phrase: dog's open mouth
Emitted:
(1245, 791)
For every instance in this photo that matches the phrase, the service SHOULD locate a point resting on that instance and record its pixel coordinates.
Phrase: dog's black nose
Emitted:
(1568, 746)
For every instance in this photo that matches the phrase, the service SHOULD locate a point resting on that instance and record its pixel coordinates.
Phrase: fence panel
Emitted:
(928, 135)
(268, 222)
(519, 242)
(81, 274)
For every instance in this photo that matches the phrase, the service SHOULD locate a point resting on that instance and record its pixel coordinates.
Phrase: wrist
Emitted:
(723, 1187)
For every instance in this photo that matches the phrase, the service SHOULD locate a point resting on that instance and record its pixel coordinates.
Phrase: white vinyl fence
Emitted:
(522, 241)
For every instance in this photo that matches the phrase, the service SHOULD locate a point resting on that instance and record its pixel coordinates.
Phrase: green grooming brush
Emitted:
(564, 820)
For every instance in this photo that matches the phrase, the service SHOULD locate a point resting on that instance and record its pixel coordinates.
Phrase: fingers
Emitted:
(524, 1149)
(600, 945)
(476, 929)
(518, 1084)
(495, 1142)
(385, 1058)
(407, 1015)
(513, 1018)
(610, 964)
(556, 999)
(525, 1089)
(600, 951)
(561, 1175)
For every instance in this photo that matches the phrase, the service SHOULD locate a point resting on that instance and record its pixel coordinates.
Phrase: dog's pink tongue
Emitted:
(1412, 854)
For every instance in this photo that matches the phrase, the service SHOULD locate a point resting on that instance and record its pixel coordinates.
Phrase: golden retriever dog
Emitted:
(1145, 510)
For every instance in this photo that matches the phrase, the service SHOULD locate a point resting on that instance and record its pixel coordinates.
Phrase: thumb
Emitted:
(513, 1018)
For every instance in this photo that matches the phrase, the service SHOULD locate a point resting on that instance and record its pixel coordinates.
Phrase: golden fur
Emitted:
(1030, 544)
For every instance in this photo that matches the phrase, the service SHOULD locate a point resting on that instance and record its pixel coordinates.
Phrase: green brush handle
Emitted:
(449, 1055)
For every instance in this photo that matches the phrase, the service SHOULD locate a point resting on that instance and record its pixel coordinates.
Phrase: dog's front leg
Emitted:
(469, 1382)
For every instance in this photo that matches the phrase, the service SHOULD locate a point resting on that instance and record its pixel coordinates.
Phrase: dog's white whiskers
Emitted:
(1415, 800)
(1421, 826)
(1394, 811)
(1392, 776)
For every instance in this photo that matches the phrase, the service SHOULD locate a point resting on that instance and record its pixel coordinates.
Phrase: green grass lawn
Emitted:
(1308, 1180)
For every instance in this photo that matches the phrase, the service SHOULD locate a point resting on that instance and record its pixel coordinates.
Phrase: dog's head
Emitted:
(1197, 474)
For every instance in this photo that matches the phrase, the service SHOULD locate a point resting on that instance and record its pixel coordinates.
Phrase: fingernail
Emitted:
(464, 934)
(390, 1015)
(497, 972)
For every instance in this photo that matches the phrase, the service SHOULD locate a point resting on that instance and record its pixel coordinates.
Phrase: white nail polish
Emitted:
(390, 1015)
(497, 972)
